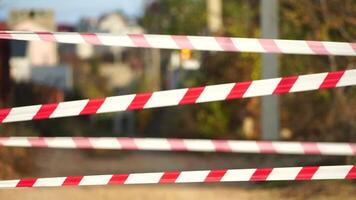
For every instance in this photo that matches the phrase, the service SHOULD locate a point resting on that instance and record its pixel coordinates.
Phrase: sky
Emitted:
(70, 11)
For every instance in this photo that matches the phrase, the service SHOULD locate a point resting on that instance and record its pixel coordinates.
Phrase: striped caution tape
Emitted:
(181, 96)
(204, 176)
(191, 145)
(190, 42)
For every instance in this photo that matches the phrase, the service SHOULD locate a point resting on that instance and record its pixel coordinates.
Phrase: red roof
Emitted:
(3, 26)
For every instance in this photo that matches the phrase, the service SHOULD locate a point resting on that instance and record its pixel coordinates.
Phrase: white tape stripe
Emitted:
(73, 38)
(26, 37)
(192, 176)
(152, 144)
(165, 98)
(105, 143)
(22, 113)
(238, 175)
(348, 78)
(293, 47)
(284, 173)
(49, 182)
(288, 147)
(161, 41)
(215, 93)
(70, 108)
(244, 146)
(331, 172)
(199, 145)
(334, 149)
(116, 40)
(95, 180)
(308, 82)
(262, 87)
(16, 142)
(9, 183)
(142, 178)
(339, 48)
(114, 104)
(60, 142)
(248, 45)
(204, 43)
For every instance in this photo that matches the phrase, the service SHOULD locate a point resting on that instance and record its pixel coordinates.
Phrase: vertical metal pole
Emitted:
(270, 69)
(214, 11)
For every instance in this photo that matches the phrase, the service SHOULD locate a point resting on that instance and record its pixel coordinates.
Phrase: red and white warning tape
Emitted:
(204, 176)
(191, 42)
(181, 96)
(192, 145)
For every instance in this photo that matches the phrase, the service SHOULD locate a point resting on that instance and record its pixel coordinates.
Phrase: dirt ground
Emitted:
(50, 162)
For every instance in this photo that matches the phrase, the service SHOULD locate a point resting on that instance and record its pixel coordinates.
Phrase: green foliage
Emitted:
(175, 17)
(309, 115)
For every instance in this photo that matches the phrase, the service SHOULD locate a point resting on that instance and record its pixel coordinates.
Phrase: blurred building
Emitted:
(25, 55)
(28, 57)
(117, 64)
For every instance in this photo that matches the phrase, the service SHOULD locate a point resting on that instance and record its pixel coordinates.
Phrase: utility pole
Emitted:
(214, 10)
(270, 69)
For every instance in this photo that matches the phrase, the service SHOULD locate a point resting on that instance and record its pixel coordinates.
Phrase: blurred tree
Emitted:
(175, 17)
(189, 17)
(309, 115)
(325, 114)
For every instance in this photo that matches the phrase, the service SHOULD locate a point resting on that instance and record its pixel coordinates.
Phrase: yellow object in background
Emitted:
(185, 54)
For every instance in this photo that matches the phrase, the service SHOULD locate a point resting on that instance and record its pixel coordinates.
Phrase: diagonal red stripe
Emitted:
(91, 38)
(118, 179)
(37, 142)
(177, 144)
(169, 177)
(266, 147)
(352, 173)
(139, 101)
(45, 111)
(72, 180)
(5, 35)
(46, 36)
(269, 45)
(226, 43)
(353, 45)
(92, 106)
(139, 40)
(285, 84)
(238, 90)
(353, 147)
(310, 148)
(332, 79)
(221, 145)
(317, 47)
(191, 95)
(128, 143)
(182, 41)
(306, 173)
(82, 142)
(4, 113)
(3, 139)
(261, 174)
(27, 182)
(215, 175)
